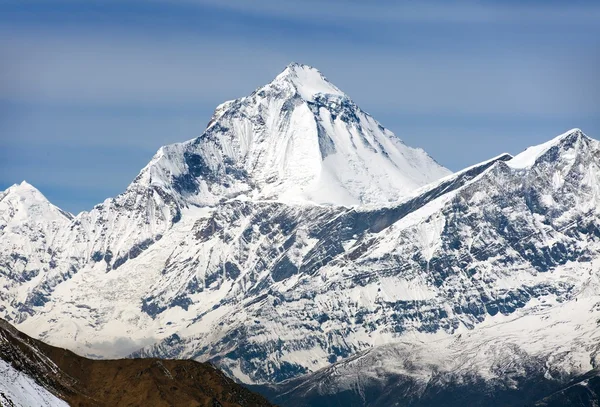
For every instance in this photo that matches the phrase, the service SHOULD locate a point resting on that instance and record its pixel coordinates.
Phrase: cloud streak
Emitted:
(410, 12)
(65, 68)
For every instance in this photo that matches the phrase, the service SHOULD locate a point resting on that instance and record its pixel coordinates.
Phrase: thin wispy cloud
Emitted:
(407, 11)
(72, 68)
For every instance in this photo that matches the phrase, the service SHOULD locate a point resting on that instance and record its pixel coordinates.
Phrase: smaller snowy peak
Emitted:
(24, 189)
(25, 186)
(24, 201)
(476, 168)
(530, 156)
(307, 81)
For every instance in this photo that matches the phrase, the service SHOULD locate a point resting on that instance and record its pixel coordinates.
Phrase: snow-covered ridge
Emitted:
(528, 157)
(308, 81)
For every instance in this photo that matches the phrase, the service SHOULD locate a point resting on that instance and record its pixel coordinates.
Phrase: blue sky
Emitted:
(90, 90)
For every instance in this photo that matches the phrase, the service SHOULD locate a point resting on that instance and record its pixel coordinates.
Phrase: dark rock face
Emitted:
(135, 251)
(583, 391)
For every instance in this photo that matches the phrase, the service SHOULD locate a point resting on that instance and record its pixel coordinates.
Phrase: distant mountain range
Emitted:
(303, 248)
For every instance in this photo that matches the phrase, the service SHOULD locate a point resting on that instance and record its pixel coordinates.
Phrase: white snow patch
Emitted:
(528, 157)
(23, 391)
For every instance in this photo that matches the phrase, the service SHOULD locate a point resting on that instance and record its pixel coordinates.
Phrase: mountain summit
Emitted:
(297, 139)
(308, 81)
(573, 140)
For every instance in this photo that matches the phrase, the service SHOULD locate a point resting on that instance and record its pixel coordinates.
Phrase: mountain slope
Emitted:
(29, 225)
(226, 249)
(19, 390)
(33, 373)
(297, 139)
(580, 392)
(271, 291)
(502, 242)
(536, 353)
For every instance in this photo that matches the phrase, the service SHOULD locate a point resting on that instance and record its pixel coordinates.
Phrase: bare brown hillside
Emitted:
(124, 382)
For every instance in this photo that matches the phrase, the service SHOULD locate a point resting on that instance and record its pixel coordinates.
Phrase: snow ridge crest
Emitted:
(308, 81)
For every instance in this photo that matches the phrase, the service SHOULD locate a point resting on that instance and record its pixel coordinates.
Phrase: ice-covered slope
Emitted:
(19, 390)
(27, 376)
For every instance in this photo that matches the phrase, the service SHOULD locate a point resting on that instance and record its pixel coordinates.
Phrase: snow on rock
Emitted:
(26, 374)
(24, 203)
(482, 243)
(296, 232)
(297, 139)
(528, 158)
(508, 360)
(19, 390)
(29, 225)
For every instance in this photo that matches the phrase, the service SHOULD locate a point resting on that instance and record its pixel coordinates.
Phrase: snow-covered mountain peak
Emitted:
(297, 139)
(24, 202)
(24, 189)
(571, 140)
(307, 81)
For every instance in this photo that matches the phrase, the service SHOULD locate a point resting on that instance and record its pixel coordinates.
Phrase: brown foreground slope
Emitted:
(124, 382)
